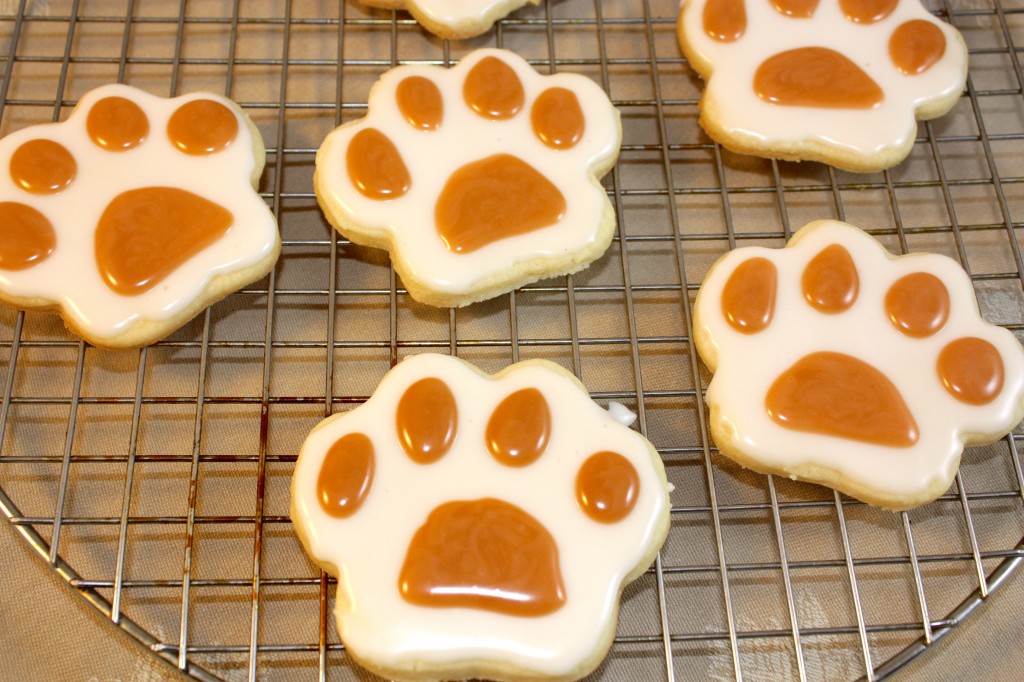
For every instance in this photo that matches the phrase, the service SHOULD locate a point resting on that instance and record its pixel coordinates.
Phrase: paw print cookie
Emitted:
(838, 81)
(838, 363)
(133, 214)
(478, 179)
(479, 526)
(454, 19)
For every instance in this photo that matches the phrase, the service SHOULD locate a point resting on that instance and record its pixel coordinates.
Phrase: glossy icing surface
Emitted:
(451, 561)
(42, 167)
(971, 370)
(420, 102)
(867, 11)
(607, 487)
(520, 428)
(918, 304)
(915, 45)
(870, 37)
(859, 395)
(146, 234)
(487, 201)
(799, 9)
(493, 90)
(202, 127)
(346, 475)
(815, 77)
(117, 124)
(27, 237)
(557, 118)
(411, 516)
(835, 394)
(724, 21)
(830, 281)
(748, 297)
(375, 166)
(427, 420)
(114, 169)
(545, 201)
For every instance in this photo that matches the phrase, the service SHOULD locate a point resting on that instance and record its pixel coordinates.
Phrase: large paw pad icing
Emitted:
(839, 81)
(478, 179)
(479, 526)
(133, 214)
(454, 19)
(837, 363)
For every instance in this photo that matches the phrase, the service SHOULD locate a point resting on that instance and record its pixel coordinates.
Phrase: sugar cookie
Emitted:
(477, 179)
(838, 363)
(133, 214)
(479, 526)
(454, 19)
(838, 81)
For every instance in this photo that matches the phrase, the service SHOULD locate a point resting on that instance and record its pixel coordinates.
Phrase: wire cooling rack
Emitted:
(155, 481)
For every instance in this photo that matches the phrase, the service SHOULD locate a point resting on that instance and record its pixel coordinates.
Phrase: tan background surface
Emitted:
(50, 634)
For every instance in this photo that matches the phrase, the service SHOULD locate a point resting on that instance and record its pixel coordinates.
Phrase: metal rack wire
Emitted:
(155, 482)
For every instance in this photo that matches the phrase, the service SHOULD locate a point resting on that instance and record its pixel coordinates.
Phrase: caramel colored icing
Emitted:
(346, 475)
(146, 234)
(493, 90)
(483, 554)
(492, 199)
(117, 124)
(42, 167)
(867, 11)
(26, 236)
(557, 118)
(375, 166)
(816, 77)
(202, 127)
(420, 102)
(838, 395)
(748, 298)
(519, 429)
(607, 487)
(830, 282)
(725, 20)
(427, 420)
(917, 304)
(971, 370)
(798, 9)
(916, 45)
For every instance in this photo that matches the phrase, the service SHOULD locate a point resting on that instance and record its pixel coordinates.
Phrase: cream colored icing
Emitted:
(753, 121)
(70, 278)
(464, 18)
(464, 137)
(747, 365)
(621, 413)
(368, 548)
